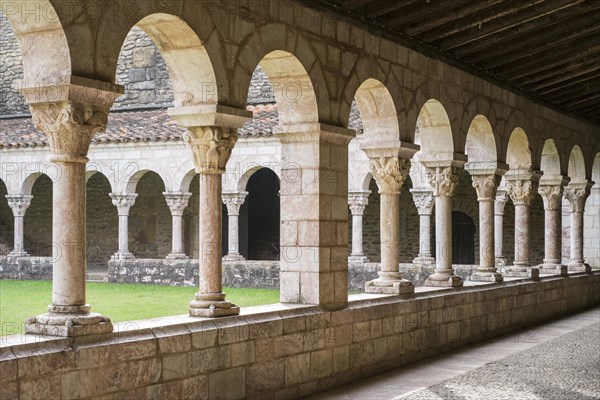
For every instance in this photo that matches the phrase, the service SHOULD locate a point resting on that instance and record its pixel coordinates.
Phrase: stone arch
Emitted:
(134, 179)
(366, 182)
(30, 180)
(378, 112)
(193, 77)
(591, 243)
(434, 131)
(596, 170)
(480, 144)
(518, 153)
(247, 175)
(550, 160)
(576, 169)
(186, 182)
(45, 52)
(475, 111)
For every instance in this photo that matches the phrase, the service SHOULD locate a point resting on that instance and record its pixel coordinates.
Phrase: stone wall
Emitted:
(38, 219)
(11, 71)
(591, 228)
(6, 222)
(102, 222)
(276, 352)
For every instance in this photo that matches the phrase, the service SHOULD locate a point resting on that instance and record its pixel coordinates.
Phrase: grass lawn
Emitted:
(22, 299)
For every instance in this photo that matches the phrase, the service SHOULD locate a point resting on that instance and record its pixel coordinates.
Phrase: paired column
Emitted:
(423, 199)
(123, 202)
(177, 202)
(77, 112)
(211, 135)
(18, 204)
(551, 190)
(521, 186)
(358, 201)
(234, 201)
(499, 204)
(314, 214)
(485, 182)
(389, 172)
(442, 176)
(576, 194)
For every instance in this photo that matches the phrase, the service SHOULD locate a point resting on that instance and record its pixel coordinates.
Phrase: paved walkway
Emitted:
(556, 360)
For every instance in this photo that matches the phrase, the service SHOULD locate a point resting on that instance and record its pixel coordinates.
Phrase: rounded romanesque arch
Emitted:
(378, 113)
(550, 159)
(518, 153)
(434, 132)
(577, 170)
(481, 143)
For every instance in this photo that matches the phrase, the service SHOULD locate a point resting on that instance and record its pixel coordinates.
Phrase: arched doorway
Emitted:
(463, 239)
(262, 208)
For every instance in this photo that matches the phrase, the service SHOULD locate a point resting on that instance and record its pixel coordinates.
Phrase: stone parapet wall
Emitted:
(26, 268)
(279, 351)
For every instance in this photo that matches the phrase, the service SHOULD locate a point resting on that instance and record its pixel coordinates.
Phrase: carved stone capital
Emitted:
(423, 200)
(552, 196)
(123, 202)
(211, 147)
(486, 186)
(521, 191)
(177, 202)
(69, 126)
(234, 201)
(358, 201)
(443, 180)
(500, 202)
(389, 173)
(18, 203)
(577, 194)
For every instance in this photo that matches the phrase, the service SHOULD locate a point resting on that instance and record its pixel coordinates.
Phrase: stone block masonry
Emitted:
(278, 351)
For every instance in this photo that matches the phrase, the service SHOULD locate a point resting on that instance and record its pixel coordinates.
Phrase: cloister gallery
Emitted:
(272, 144)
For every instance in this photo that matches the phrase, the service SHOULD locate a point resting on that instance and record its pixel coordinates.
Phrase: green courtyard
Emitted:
(121, 302)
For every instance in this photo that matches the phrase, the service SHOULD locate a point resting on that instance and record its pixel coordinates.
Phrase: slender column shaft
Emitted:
(424, 235)
(498, 235)
(19, 205)
(69, 236)
(177, 245)
(551, 190)
(576, 237)
(577, 193)
(234, 234)
(234, 201)
(19, 235)
(423, 199)
(177, 202)
(123, 202)
(522, 235)
(123, 234)
(357, 235)
(390, 232)
(552, 236)
(443, 234)
(210, 234)
(358, 202)
(487, 259)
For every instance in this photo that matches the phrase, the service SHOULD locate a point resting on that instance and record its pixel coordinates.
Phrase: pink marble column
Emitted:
(211, 136)
(499, 203)
(442, 176)
(576, 194)
(389, 174)
(177, 202)
(123, 202)
(423, 199)
(78, 111)
(234, 201)
(521, 186)
(18, 204)
(551, 191)
(486, 184)
(358, 201)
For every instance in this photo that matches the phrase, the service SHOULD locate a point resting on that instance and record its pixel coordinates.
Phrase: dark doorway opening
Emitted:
(263, 215)
(463, 239)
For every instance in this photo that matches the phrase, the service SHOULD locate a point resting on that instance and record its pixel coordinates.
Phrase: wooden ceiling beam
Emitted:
(525, 15)
(584, 100)
(382, 7)
(536, 84)
(575, 93)
(571, 82)
(398, 20)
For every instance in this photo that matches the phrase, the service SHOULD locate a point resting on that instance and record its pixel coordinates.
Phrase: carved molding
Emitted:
(443, 180)
(577, 195)
(500, 202)
(357, 202)
(552, 196)
(177, 202)
(123, 202)
(389, 173)
(19, 204)
(486, 186)
(234, 201)
(521, 191)
(423, 201)
(69, 126)
(211, 147)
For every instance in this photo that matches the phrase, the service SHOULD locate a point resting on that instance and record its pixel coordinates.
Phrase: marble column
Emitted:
(211, 135)
(443, 177)
(234, 201)
(521, 186)
(551, 191)
(486, 184)
(499, 204)
(358, 201)
(77, 112)
(389, 174)
(177, 202)
(576, 194)
(18, 204)
(123, 202)
(314, 214)
(423, 199)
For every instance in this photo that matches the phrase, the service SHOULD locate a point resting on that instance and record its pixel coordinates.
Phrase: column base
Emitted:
(122, 256)
(444, 280)
(69, 321)
(487, 276)
(234, 258)
(381, 286)
(177, 256)
(522, 271)
(424, 260)
(17, 254)
(554, 269)
(575, 267)
(358, 259)
(500, 262)
(212, 305)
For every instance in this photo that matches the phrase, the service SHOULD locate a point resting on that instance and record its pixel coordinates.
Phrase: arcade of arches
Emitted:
(192, 135)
